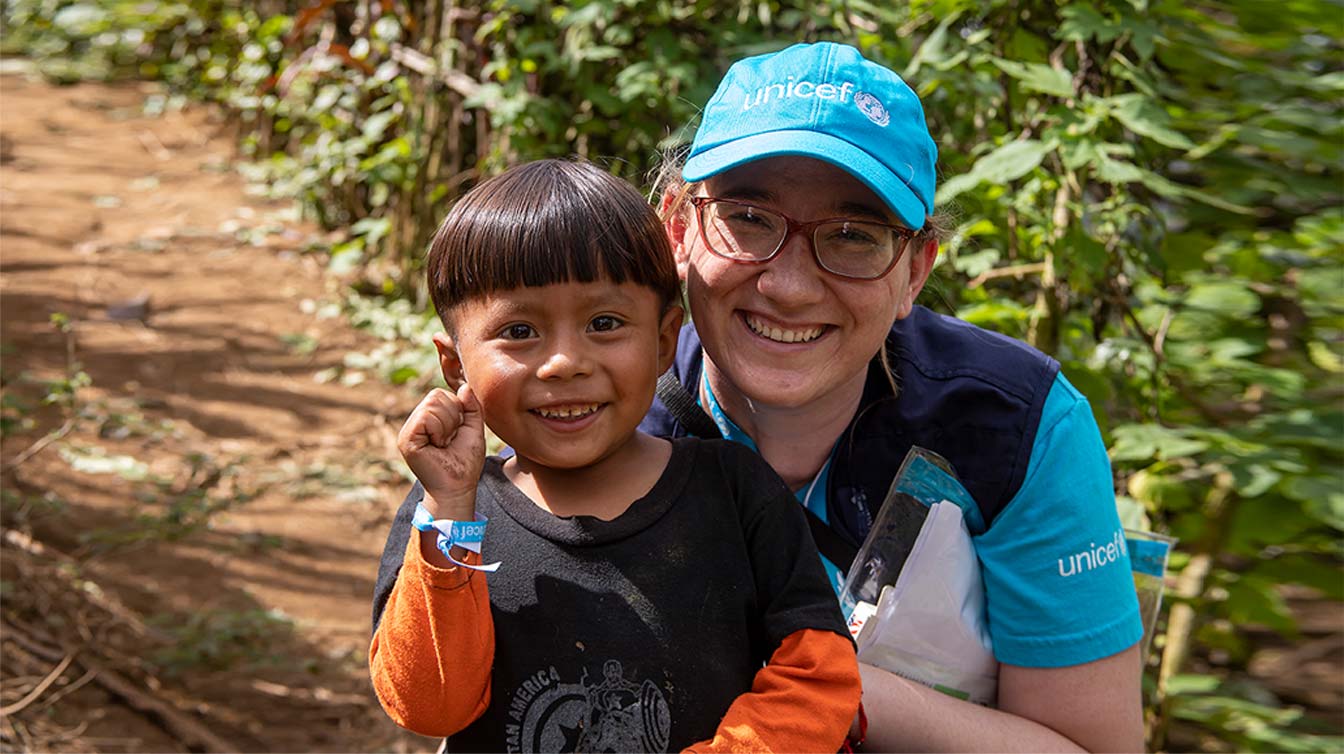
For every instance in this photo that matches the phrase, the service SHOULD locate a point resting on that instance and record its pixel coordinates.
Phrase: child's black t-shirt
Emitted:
(636, 634)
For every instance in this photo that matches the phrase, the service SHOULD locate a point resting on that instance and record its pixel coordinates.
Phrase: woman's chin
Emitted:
(782, 387)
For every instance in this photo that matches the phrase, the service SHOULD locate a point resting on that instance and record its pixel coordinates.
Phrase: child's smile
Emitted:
(570, 415)
(565, 372)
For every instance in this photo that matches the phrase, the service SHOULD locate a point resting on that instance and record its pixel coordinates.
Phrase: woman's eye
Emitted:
(518, 332)
(848, 233)
(604, 323)
(750, 216)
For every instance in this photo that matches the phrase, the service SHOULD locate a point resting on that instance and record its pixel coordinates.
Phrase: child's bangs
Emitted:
(544, 245)
(545, 223)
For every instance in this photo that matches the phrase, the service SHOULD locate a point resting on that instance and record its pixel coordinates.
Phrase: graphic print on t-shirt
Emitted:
(612, 714)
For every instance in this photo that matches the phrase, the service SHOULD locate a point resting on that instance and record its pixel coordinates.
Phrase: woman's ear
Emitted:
(672, 208)
(669, 330)
(921, 265)
(449, 362)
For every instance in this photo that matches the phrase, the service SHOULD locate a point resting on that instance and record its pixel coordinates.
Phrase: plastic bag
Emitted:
(914, 597)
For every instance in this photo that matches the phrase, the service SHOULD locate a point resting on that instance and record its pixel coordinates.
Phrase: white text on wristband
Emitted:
(465, 534)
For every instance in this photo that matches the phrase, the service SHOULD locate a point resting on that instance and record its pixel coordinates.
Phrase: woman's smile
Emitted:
(778, 332)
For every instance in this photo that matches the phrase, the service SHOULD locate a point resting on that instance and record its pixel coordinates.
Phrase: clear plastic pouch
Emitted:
(914, 597)
(1148, 554)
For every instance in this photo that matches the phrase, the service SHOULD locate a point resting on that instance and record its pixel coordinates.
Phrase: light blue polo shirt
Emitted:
(1055, 565)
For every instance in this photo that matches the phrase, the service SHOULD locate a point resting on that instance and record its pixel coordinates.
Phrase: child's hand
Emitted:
(443, 442)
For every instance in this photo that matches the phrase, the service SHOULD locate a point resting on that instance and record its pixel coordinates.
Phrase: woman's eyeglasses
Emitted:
(742, 232)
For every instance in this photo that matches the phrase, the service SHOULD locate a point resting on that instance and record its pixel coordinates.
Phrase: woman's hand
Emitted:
(443, 442)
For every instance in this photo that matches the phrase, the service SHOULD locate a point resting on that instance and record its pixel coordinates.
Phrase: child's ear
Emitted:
(673, 209)
(669, 330)
(449, 363)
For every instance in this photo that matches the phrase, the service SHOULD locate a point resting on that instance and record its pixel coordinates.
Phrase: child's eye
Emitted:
(604, 323)
(518, 332)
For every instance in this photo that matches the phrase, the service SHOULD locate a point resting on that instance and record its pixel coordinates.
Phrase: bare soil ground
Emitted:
(188, 564)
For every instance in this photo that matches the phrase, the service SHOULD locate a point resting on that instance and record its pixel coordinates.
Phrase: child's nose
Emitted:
(564, 364)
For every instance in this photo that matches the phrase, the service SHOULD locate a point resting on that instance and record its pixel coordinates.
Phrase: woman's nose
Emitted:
(792, 278)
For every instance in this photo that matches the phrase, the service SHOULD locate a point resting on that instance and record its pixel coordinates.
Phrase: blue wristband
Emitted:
(465, 534)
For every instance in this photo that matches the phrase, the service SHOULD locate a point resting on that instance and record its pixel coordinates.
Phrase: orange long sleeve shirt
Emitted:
(431, 660)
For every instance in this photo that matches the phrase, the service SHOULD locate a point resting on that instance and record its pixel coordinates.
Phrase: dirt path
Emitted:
(207, 483)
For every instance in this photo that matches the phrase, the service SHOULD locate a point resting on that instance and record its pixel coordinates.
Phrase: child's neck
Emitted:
(604, 489)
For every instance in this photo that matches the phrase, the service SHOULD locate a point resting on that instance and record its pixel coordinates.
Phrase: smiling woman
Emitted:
(802, 227)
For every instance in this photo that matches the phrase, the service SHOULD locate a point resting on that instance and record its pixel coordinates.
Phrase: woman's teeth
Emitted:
(783, 336)
(568, 412)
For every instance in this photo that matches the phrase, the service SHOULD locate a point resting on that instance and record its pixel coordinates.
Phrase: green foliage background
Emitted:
(1149, 190)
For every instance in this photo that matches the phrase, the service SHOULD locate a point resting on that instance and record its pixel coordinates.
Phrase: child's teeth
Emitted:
(568, 412)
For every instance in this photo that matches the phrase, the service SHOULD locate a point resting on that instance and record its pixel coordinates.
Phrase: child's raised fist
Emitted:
(443, 442)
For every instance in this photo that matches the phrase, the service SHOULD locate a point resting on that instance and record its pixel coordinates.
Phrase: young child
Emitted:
(651, 595)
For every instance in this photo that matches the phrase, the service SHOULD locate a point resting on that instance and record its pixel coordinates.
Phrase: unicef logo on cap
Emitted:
(872, 108)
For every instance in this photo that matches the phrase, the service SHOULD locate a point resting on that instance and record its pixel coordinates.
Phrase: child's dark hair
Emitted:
(550, 221)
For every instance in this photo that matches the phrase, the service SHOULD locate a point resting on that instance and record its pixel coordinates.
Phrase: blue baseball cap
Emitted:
(825, 101)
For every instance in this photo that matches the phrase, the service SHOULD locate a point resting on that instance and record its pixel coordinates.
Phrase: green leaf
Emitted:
(584, 16)
(1000, 315)
(373, 229)
(1142, 442)
(1321, 429)
(1082, 22)
(1039, 77)
(346, 258)
(81, 20)
(1007, 163)
(932, 48)
(1228, 299)
(1171, 189)
(1132, 514)
(976, 263)
(402, 375)
(376, 124)
(1264, 521)
(1256, 600)
(1118, 171)
(1325, 357)
(1184, 252)
(1254, 480)
(1143, 116)
(1143, 34)
(1318, 572)
(599, 53)
(1160, 491)
(1187, 684)
(1323, 495)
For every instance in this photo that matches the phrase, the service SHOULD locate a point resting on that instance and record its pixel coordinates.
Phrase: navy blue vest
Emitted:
(972, 396)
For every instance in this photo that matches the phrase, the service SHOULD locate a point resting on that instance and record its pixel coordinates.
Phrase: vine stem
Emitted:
(71, 369)
(1190, 587)
(38, 446)
(1043, 332)
(39, 689)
